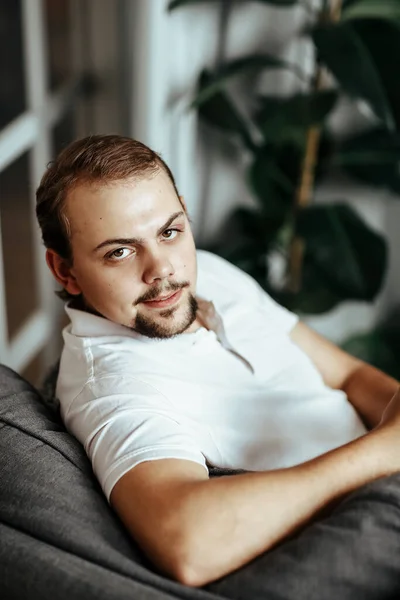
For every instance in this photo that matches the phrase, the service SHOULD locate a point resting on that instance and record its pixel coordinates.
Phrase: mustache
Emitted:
(154, 293)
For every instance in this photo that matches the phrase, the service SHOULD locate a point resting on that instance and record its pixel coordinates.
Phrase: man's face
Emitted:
(134, 258)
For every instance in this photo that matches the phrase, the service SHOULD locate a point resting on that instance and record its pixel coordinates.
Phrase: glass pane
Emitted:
(17, 244)
(12, 87)
(64, 132)
(58, 22)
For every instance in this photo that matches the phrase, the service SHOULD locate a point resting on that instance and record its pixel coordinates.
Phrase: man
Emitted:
(176, 361)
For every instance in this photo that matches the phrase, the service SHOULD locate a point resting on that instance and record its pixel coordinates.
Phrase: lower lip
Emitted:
(163, 303)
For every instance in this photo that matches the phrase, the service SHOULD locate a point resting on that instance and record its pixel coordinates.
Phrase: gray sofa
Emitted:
(60, 540)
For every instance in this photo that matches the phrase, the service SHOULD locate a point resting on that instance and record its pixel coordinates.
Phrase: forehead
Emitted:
(120, 209)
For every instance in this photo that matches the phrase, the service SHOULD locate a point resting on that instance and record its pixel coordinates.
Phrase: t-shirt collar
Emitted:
(85, 324)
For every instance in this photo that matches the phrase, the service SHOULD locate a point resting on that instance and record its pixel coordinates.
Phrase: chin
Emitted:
(168, 323)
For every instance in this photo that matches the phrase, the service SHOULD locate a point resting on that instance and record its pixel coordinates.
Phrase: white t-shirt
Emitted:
(241, 397)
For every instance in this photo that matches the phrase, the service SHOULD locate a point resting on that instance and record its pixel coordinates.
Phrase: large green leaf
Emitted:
(249, 223)
(349, 255)
(372, 157)
(380, 347)
(383, 42)
(344, 52)
(287, 119)
(273, 177)
(221, 112)
(237, 67)
(376, 348)
(248, 254)
(372, 9)
(326, 148)
(244, 224)
(315, 297)
(280, 3)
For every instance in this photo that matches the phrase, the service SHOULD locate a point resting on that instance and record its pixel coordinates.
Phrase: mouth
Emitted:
(164, 301)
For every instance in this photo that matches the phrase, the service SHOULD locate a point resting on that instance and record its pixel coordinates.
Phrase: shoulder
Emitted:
(223, 282)
(215, 264)
(215, 269)
(99, 366)
(108, 395)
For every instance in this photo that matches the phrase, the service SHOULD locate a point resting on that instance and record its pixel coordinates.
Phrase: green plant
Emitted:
(331, 254)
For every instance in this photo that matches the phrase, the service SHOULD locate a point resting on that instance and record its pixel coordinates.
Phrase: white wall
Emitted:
(168, 52)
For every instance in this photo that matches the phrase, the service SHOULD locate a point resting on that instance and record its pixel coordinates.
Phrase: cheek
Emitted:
(188, 254)
(97, 281)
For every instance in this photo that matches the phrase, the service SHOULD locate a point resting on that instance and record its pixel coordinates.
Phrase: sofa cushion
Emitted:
(58, 536)
(59, 539)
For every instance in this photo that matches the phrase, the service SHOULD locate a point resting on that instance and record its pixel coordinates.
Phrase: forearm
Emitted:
(231, 520)
(369, 391)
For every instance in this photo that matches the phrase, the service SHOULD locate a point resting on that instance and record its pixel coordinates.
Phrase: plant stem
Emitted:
(330, 12)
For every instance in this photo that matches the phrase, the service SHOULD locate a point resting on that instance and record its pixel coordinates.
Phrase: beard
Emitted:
(165, 326)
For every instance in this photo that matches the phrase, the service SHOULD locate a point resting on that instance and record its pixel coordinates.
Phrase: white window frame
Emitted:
(31, 131)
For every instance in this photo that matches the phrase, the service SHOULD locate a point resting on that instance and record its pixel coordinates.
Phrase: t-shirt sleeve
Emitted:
(122, 422)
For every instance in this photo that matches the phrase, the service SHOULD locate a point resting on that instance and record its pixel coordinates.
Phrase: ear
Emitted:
(182, 201)
(62, 272)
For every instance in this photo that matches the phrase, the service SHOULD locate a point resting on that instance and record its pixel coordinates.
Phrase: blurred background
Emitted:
(279, 118)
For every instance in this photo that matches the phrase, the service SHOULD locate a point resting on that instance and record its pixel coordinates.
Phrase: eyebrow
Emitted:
(129, 241)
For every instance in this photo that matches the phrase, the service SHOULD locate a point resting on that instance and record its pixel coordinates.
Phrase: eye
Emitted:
(119, 254)
(170, 234)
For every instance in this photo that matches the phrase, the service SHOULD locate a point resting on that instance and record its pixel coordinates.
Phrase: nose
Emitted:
(158, 266)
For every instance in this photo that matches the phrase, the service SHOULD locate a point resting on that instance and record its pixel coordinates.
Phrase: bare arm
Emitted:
(368, 389)
(197, 530)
